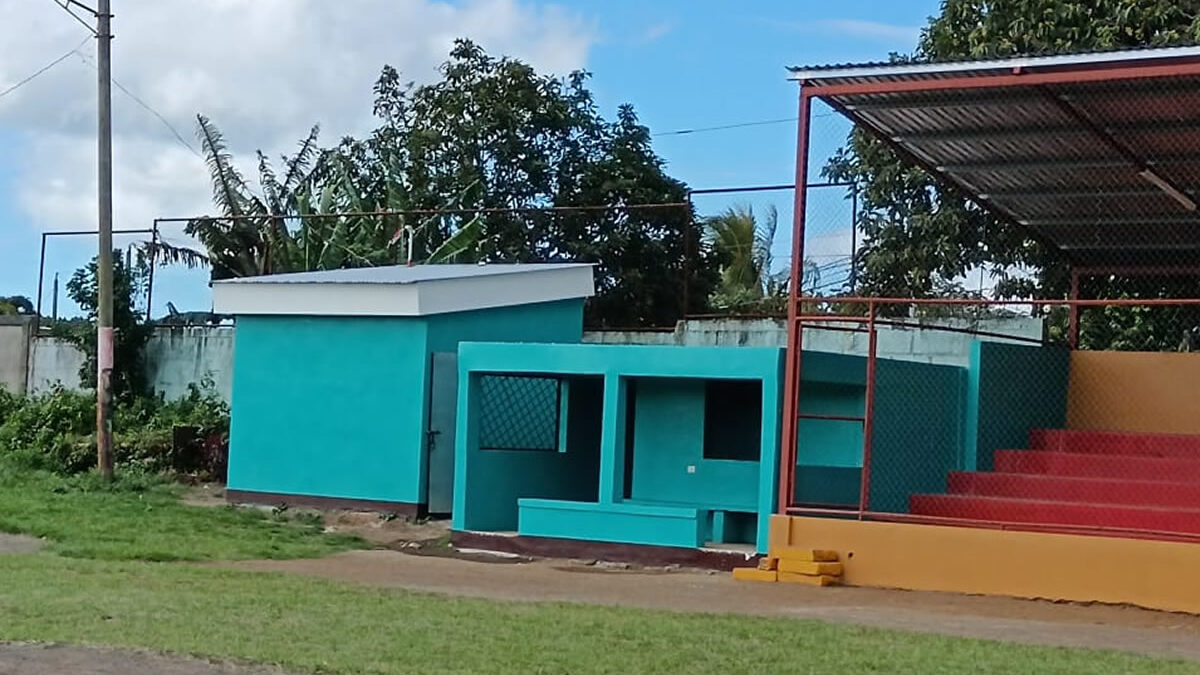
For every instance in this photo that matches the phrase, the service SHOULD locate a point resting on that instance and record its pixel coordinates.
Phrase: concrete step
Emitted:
(1032, 511)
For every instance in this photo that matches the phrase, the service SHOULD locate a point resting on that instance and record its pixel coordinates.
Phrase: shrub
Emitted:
(55, 431)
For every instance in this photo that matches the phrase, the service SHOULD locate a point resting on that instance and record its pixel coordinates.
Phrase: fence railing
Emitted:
(1016, 432)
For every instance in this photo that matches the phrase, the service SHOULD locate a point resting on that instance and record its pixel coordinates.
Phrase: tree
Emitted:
(494, 134)
(130, 275)
(919, 238)
(742, 246)
(501, 164)
(16, 304)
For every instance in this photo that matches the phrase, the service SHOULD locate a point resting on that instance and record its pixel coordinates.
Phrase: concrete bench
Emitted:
(620, 523)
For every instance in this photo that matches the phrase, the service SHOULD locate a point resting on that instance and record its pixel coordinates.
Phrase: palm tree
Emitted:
(743, 245)
(284, 227)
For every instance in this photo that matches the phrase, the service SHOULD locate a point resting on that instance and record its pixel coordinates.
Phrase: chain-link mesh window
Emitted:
(519, 412)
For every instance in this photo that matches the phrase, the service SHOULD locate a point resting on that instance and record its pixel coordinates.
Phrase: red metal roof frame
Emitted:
(1157, 182)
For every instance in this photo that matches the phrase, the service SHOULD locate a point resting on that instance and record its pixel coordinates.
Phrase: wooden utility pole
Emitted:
(104, 263)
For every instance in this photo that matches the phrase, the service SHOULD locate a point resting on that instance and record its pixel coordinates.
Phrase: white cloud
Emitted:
(904, 37)
(263, 70)
(869, 30)
(658, 31)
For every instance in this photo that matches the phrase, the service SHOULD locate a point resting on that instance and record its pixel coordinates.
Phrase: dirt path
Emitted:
(27, 659)
(1031, 622)
(18, 543)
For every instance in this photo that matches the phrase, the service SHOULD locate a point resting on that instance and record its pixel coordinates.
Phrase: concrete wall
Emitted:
(329, 407)
(14, 352)
(179, 356)
(1135, 391)
(54, 362)
(175, 357)
(906, 344)
(668, 459)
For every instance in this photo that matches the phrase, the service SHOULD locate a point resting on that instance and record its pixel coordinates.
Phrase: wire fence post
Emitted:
(864, 496)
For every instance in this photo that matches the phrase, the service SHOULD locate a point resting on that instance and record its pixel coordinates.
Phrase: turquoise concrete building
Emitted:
(678, 447)
(662, 446)
(344, 389)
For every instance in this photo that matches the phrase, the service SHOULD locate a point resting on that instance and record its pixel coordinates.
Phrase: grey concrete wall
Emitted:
(54, 362)
(925, 343)
(179, 356)
(14, 351)
(175, 358)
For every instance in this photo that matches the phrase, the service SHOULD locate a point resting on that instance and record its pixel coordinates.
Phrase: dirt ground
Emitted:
(1031, 622)
(17, 543)
(28, 659)
(422, 559)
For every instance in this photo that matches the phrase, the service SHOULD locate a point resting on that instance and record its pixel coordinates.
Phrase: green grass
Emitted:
(140, 519)
(309, 625)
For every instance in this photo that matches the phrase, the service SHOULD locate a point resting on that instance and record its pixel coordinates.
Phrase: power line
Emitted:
(738, 125)
(175, 132)
(43, 69)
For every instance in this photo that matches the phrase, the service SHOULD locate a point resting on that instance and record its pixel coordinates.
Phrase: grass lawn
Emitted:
(99, 584)
(310, 625)
(144, 520)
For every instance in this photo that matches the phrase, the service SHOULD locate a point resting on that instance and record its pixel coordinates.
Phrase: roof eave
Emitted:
(805, 74)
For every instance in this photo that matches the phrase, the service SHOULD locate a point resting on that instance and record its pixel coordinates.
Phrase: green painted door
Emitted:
(439, 437)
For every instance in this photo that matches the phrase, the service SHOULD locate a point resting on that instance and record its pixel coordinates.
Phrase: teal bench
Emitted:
(621, 523)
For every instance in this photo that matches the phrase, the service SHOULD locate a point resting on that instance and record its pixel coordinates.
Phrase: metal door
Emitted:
(439, 437)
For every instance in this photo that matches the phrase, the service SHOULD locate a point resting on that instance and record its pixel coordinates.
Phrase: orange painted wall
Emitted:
(1154, 574)
(1135, 391)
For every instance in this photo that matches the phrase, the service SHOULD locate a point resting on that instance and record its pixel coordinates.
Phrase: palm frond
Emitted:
(298, 165)
(464, 239)
(168, 254)
(229, 188)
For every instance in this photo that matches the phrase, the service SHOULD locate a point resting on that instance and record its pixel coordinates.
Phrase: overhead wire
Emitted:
(35, 74)
(150, 109)
(736, 125)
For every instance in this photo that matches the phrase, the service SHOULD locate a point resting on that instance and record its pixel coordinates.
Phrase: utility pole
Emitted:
(104, 263)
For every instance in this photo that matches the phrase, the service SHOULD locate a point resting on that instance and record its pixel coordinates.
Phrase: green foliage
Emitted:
(131, 332)
(138, 516)
(742, 247)
(16, 304)
(492, 134)
(55, 431)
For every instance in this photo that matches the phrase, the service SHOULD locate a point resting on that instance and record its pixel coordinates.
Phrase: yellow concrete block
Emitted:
(809, 580)
(753, 574)
(804, 554)
(833, 569)
(768, 563)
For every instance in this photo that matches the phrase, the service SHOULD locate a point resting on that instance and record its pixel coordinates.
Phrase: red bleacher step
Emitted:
(1116, 443)
(1057, 513)
(1084, 465)
(1072, 489)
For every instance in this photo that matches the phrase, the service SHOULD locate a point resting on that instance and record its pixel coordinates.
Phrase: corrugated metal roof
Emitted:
(1107, 171)
(402, 274)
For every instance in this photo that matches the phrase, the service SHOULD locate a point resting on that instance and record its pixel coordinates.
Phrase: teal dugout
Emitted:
(679, 446)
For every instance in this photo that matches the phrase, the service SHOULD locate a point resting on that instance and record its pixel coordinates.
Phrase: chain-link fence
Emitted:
(1017, 346)
(994, 420)
(520, 412)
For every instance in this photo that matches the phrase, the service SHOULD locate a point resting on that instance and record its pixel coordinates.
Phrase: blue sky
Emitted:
(684, 65)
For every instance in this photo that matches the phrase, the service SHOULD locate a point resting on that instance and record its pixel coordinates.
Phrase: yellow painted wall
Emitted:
(1154, 574)
(1135, 391)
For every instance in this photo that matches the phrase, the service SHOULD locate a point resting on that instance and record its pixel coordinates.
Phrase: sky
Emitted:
(266, 70)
